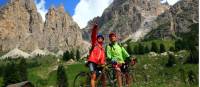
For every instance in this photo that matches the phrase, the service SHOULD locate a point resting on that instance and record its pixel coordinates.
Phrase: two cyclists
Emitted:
(116, 55)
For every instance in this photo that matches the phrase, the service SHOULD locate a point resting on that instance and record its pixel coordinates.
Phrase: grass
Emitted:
(2, 53)
(167, 42)
(41, 78)
(149, 72)
(73, 70)
(156, 74)
(1, 81)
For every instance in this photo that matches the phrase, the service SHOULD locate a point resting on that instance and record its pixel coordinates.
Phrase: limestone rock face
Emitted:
(126, 17)
(177, 19)
(20, 23)
(60, 31)
(21, 27)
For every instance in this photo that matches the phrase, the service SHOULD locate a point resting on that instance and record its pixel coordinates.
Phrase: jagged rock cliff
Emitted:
(126, 17)
(60, 31)
(21, 26)
(176, 20)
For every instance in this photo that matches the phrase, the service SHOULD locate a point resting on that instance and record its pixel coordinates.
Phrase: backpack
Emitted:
(111, 45)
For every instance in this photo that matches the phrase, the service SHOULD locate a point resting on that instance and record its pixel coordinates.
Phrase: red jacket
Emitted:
(97, 55)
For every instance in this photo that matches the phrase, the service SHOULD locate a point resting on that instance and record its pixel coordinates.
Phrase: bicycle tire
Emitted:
(124, 78)
(82, 80)
(110, 75)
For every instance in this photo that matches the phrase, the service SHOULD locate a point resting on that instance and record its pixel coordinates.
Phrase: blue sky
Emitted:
(2, 2)
(81, 10)
(68, 4)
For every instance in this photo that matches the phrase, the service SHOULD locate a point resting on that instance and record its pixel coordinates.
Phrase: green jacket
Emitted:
(116, 53)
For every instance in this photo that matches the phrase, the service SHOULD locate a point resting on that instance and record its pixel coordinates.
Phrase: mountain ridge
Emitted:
(125, 17)
(21, 26)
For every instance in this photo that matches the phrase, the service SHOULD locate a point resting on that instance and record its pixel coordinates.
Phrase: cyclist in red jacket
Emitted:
(97, 56)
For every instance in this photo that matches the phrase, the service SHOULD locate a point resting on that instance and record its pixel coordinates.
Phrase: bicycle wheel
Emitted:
(110, 76)
(123, 80)
(132, 77)
(99, 83)
(132, 74)
(82, 80)
(127, 79)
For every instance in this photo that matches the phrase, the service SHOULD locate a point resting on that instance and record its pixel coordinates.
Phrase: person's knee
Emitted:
(93, 76)
(103, 77)
(118, 72)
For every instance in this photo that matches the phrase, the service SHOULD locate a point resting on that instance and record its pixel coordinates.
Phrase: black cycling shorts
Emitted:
(93, 68)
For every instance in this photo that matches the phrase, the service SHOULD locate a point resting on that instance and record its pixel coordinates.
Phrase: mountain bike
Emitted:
(83, 78)
(128, 76)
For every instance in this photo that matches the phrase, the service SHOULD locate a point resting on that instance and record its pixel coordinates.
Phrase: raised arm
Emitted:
(94, 34)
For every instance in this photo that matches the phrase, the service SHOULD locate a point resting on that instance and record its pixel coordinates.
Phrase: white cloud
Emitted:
(171, 2)
(41, 8)
(88, 9)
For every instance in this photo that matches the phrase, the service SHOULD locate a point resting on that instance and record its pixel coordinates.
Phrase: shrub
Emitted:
(171, 60)
(23, 70)
(171, 49)
(62, 80)
(78, 56)
(130, 48)
(193, 57)
(146, 49)
(66, 56)
(162, 48)
(154, 47)
(192, 78)
(140, 49)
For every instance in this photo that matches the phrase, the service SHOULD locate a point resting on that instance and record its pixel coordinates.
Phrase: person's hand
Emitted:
(101, 65)
(114, 62)
(133, 61)
(95, 25)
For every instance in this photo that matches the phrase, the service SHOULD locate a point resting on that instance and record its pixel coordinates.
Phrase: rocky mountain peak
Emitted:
(28, 4)
(61, 9)
(125, 17)
(176, 20)
(60, 31)
(21, 27)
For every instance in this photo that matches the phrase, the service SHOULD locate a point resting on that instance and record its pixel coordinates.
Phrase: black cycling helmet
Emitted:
(100, 36)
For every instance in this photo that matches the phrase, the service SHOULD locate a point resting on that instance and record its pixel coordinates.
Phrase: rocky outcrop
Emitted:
(125, 17)
(176, 20)
(20, 24)
(21, 27)
(15, 53)
(60, 31)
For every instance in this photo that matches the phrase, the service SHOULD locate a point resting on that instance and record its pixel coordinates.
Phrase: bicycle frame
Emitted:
(109, 73)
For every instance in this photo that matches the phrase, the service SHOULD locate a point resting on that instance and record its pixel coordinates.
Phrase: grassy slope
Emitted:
(49, 79)
(157, 74)
(150, 71)
(167, 42)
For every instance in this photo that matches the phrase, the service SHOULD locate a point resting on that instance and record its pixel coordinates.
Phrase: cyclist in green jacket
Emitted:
(117, 55)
